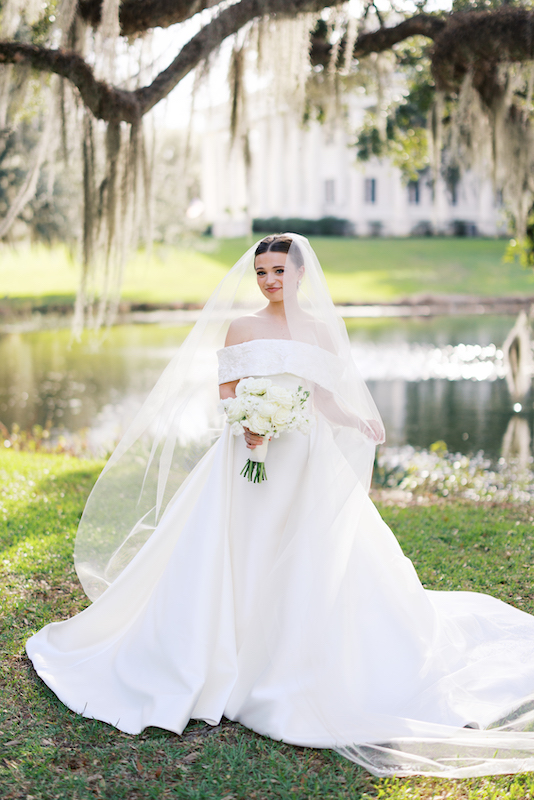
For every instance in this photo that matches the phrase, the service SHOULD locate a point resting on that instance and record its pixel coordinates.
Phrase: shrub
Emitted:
(326, 226)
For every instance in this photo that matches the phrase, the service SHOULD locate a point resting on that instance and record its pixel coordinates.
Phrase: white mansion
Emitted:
(312, 172)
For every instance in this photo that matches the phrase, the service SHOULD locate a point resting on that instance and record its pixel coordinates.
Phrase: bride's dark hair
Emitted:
(280, 244)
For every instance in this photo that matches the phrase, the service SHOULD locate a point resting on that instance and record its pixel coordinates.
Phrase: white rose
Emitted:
(256, 386)
(235, 415)
(235, 409)
(241, 387)
(281, 416)
(259, 424)
(281, 396)
(267, 409)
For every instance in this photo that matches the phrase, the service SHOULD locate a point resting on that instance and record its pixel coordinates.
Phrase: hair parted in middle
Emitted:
(280, 243)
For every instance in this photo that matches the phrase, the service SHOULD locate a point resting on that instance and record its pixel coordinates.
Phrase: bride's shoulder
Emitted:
(241, 330)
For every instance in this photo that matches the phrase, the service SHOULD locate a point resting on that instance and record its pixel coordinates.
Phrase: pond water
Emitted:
(438, 378)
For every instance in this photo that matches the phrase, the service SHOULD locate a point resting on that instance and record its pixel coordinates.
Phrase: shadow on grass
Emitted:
(53, 504)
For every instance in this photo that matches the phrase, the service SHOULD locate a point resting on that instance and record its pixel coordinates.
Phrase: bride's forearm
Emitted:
(327, 404)
(227, 390)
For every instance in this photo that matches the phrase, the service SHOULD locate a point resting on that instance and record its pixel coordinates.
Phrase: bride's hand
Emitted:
(252, 439)
(377, 431)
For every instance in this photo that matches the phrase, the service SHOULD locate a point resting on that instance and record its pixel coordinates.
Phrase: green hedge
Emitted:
(326, 226)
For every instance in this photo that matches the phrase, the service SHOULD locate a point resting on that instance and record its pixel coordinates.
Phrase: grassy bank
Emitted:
(48, 752)
(357, 270)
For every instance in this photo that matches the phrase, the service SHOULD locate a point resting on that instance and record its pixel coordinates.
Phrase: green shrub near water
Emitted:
(48, 752)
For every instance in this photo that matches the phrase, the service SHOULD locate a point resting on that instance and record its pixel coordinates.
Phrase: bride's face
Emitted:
(272, 275)
(270, 270)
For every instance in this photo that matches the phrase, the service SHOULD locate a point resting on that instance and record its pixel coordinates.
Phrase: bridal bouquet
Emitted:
(267, 410)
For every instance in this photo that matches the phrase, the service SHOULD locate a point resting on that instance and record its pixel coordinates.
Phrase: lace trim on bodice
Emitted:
(276, 356)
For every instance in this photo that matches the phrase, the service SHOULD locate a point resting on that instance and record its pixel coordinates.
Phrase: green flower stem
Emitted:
(254, 471)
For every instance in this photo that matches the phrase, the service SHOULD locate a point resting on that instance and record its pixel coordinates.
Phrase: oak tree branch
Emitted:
(462, 41)
(138, 16)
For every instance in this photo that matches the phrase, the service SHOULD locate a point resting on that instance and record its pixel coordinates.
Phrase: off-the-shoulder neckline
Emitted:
(289, 341)
(250, 341)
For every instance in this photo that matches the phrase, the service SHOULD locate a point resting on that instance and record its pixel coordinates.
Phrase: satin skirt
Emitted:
(289, 607)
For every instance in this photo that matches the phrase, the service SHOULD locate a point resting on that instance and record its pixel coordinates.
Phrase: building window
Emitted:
(330, 191)
(413, 193)
(370, 190)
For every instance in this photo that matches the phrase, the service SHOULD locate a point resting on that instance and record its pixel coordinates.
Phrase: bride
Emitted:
(286, 605)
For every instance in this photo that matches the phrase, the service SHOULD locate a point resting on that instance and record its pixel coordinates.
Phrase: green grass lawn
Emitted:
(357, 270)
(48, 752)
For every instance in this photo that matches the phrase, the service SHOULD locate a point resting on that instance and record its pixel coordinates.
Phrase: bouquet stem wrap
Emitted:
(254, 469)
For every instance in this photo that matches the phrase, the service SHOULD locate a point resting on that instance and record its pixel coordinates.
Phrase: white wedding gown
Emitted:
(265, 604)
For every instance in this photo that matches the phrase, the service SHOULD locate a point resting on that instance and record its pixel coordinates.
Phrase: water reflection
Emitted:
(420, 362)
(432, 379)
(516, 441)
(468, 415)
(45, 381)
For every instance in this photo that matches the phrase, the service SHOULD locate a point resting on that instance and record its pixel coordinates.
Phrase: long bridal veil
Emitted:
(389, 673)
(180, 418)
